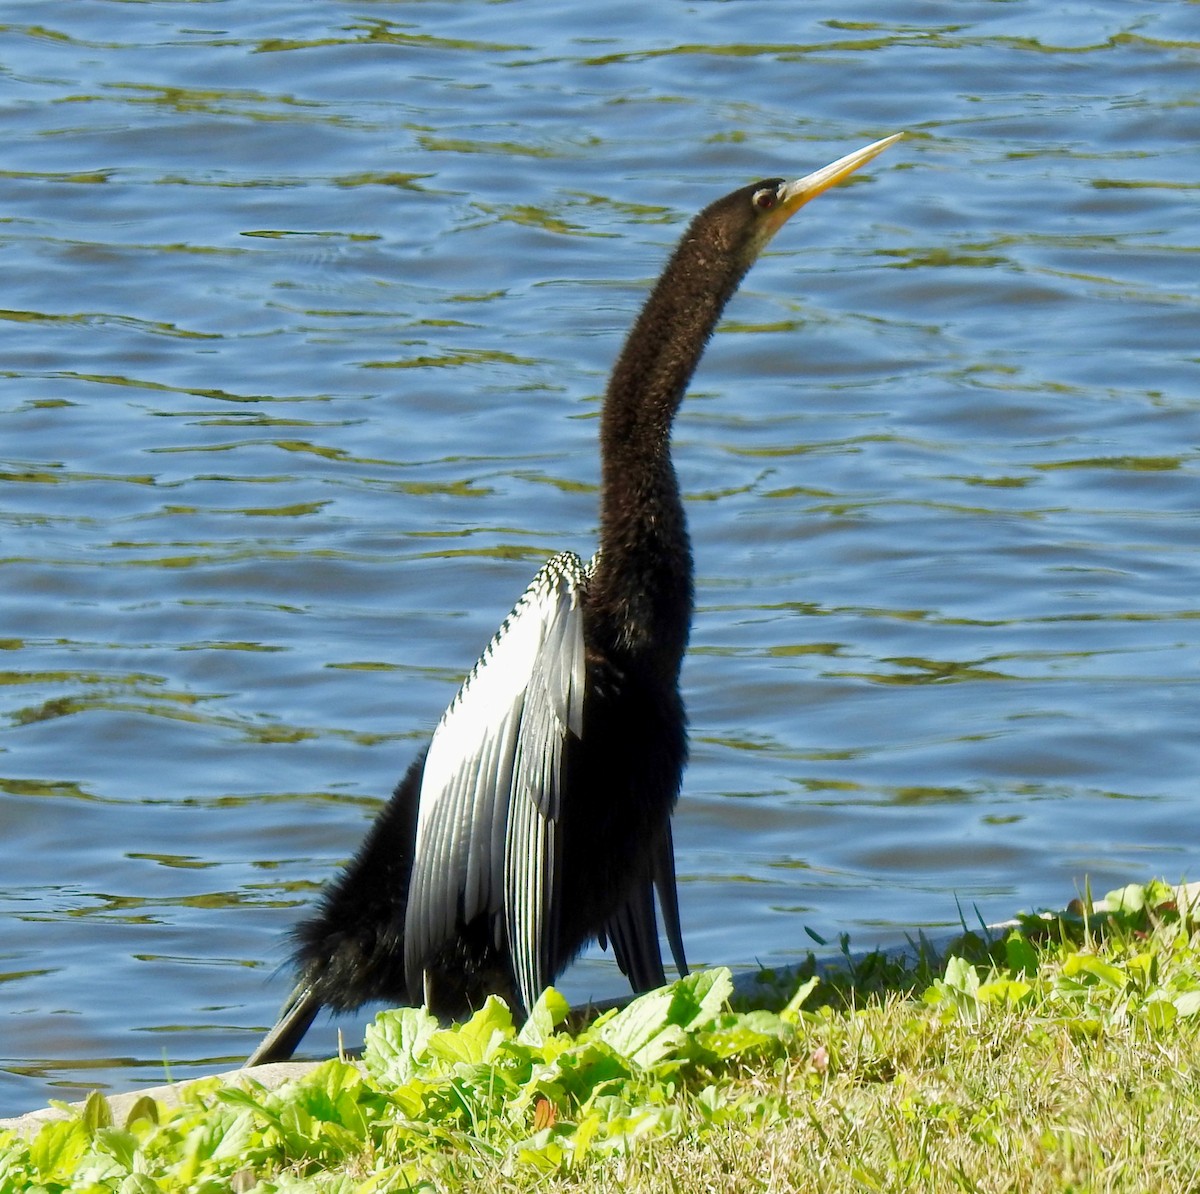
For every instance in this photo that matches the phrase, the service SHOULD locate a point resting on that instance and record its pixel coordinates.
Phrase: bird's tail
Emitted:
(294, 1019)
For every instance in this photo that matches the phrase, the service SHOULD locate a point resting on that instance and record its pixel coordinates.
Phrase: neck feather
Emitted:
(641, 599)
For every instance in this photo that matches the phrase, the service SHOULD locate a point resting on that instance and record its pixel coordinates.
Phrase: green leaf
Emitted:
(330, 1093)
(652, 1027)
(635, 1026)
(710, 1102)
(236, 1133)
(97, 1113)
(395, 1045)
(122, 1146)
(622, 1126)
(1020, 954)
(1089, 964)
(738, 1034)
(544, 1155)
(581, 1139)
(56, 1149)
(143, 1108)
(959, 989)
(1126, 899)
(1004, 990)
(1160, 1013)
(1187, 1004)
(550, 1011)
(961, 976)
(1143, 967)
(699, 997)
(582, 1071)
(139, 1183)
(477, 1040)
(791, 1013)
(667, 1043)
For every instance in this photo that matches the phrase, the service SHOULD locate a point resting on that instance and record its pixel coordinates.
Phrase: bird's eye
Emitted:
(765, 199)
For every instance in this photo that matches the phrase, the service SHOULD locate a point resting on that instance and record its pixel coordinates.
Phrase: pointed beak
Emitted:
(796, 194)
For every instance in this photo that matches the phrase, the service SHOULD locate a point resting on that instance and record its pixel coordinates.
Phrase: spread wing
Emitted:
(487, 840)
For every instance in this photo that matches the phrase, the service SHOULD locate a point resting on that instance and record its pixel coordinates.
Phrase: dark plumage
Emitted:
(539, 817)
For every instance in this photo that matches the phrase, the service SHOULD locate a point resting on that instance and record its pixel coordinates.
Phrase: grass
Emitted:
(1064, 1055)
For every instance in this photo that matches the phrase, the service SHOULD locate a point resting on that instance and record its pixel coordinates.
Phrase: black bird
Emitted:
(539, 817)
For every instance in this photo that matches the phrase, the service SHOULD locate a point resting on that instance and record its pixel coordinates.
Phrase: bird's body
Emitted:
(539, 817)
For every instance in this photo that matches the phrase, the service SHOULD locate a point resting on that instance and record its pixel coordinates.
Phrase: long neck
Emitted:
(641, 596)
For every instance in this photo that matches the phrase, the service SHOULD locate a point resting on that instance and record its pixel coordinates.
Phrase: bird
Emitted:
(538, 819)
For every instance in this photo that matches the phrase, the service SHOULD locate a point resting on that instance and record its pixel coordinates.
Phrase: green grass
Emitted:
(1064, 1055)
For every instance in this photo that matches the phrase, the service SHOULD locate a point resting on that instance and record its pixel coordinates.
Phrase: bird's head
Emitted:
(747, 219)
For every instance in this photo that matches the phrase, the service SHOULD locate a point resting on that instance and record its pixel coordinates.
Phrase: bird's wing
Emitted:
(668, 897)
(633, 931)
(492, 785)
(634, 936)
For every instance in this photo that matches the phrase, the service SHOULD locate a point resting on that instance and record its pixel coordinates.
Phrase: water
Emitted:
(308, 312)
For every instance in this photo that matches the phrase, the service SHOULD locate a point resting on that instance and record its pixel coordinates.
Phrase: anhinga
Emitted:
(539, 817)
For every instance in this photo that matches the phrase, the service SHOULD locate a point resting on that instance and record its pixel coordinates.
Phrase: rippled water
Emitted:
(308, 308)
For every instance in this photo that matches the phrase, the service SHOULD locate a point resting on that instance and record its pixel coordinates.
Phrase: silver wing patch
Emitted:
(492, 786)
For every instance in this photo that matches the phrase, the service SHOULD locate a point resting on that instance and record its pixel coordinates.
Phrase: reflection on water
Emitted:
(306, 319)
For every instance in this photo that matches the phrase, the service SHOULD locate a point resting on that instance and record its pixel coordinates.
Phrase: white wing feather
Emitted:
(492, 784)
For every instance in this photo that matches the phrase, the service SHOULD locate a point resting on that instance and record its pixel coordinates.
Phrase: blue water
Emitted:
(307, 313)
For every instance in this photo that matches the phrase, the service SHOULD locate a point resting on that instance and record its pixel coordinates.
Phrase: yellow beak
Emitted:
(796, 194)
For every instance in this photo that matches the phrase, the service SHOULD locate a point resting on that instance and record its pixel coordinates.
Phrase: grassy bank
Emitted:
(1064, 1054)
